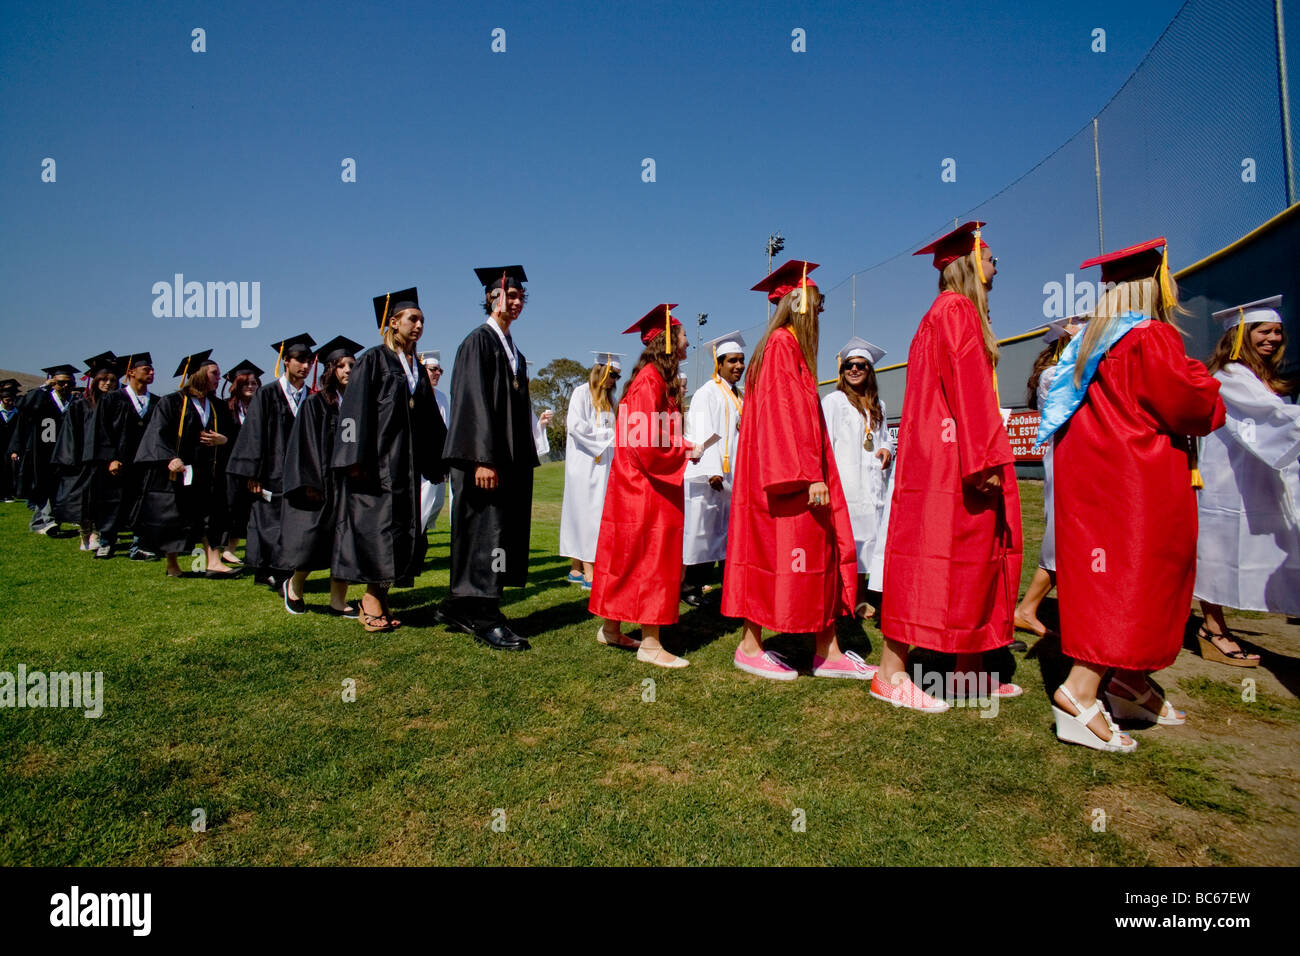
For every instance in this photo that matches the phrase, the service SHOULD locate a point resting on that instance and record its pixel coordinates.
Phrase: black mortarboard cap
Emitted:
(104, 360)
(132, 360)
(391, 303)
(240, 369)
(53, 370)
(491, 277)
(294, 346)
(192, 363)
(338, 347)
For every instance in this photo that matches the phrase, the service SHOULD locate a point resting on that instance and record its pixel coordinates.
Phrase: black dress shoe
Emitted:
(693, 598)
(445, 618)
(1017, 646)
(499, 637)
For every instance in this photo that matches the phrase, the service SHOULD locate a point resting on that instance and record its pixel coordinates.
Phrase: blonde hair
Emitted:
(601, 398)
(804, 325)
(1135, 295)
(962, 276)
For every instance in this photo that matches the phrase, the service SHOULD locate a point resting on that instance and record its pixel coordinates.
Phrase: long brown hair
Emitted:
(92, 393)
(868, 403)
(666, 364)
(242, 379)
(804, 325)
(962, 276)
(1266, 369)
(1046, 359)
(602, 397)
(196, 383)
(1135, 295)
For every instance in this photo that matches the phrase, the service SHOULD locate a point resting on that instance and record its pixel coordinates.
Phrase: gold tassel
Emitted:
(1241, 335)
(1197, 480)
(1166, 292)
(668, 331)
(280, 354)
(185, 403)
(979, 257)
(383, 323)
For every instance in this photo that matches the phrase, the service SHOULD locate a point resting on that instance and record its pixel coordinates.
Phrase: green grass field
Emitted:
(216, 699)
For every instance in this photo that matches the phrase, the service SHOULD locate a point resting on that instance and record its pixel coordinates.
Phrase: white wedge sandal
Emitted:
(1074, 729)
(1136, 709)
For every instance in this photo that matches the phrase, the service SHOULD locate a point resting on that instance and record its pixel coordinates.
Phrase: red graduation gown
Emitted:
(790, 567)
(952, 557)
(639, 552)
(1125, 508)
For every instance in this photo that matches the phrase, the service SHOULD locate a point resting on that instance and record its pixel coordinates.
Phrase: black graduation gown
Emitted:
(239, 500)
(8, 473)
(259, 454)
(74, 461)
(39, 421)
(118, 430)
(491, 424)
(172, 516)
(307, 527)
(394, 437)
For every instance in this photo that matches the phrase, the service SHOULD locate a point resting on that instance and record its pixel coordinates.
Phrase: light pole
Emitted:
(702, 319)
(775, 243)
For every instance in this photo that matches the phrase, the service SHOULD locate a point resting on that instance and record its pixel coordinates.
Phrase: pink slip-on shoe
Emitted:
(903, 693)
(957, 689)
(767, 664)
(849, 665)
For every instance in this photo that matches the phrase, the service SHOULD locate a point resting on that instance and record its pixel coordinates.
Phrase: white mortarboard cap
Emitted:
(728, 344)
(1056, 330)
(433, 359)
(609, 358)
(861, 348)
(1261, 310)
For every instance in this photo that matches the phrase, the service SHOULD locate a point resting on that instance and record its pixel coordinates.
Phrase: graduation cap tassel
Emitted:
(1166, 289)
(185, 402)
(279, 356)
(1194, 462)
(979, 257)
(383, 323)
(668, 331)
(1241, 335)
(315, 369)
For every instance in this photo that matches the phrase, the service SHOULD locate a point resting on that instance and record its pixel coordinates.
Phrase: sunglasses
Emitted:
(856, 366)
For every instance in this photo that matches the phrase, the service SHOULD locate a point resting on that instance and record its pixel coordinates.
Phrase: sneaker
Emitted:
(140, 554)
(575, 577)
(849, 665)
(767, 664)
(86, 546)
(94, 542)
(104, 551)
(903, 693)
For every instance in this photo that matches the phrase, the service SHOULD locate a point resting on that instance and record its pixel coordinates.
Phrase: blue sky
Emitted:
(225, 165)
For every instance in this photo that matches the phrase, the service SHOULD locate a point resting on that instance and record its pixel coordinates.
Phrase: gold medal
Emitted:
(410, 402)
(516, 381)
(869, 443)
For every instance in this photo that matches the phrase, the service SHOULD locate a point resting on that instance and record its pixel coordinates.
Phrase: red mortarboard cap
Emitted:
(784, 278)
(1135, 262)
(652, 323)
(960, 242)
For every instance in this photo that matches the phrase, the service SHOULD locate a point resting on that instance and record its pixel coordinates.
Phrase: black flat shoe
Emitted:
(352, 611)
(449, 620)
(291, 605)
(221, 575)
(693, 598)
(1017, 646)
(499, 637)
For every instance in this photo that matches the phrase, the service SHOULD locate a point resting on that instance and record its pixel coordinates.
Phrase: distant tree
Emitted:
(551, 388)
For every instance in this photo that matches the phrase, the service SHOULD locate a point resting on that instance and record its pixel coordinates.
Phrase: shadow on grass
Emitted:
(1285, 668)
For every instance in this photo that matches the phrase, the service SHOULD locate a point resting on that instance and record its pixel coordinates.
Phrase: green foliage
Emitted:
(551, 388)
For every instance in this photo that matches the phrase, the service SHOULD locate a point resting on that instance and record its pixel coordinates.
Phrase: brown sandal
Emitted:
(1212, 652)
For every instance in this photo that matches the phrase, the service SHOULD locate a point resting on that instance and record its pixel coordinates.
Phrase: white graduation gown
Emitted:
(1047, 553)
(712, 423)
(1248, 546)
(433, 497)
(589, 451)
(865, 482)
